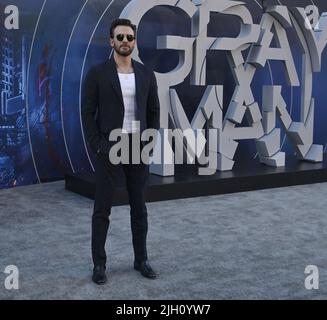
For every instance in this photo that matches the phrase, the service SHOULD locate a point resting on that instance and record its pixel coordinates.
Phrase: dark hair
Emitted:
(121, 22)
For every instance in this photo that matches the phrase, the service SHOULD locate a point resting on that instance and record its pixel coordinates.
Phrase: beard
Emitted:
(124, 51)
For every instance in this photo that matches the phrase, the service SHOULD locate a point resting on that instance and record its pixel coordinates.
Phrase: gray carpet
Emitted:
(252, 245)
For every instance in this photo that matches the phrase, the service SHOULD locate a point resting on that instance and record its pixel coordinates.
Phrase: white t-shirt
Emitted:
(128, 88)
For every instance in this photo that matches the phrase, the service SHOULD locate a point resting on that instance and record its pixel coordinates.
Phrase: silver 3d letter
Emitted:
(261, 121)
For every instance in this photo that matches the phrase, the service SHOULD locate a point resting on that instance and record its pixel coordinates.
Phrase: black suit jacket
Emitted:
(103, 105)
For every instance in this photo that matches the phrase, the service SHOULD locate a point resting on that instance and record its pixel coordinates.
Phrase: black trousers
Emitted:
(108, 176)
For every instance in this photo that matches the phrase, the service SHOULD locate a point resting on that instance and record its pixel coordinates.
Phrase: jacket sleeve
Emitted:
(89, 107)
(153, 105)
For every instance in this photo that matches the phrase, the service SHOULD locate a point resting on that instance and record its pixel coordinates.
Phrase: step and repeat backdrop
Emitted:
(263, 63)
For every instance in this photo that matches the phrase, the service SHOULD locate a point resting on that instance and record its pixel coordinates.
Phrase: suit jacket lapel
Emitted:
(138, 84)
(112, 74)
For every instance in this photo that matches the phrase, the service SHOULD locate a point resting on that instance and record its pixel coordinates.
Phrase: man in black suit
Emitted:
(118, 94)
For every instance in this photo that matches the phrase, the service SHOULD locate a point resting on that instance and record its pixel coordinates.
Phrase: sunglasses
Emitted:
(129, 37)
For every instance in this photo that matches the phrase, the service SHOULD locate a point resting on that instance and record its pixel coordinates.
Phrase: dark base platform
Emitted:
(246, 176)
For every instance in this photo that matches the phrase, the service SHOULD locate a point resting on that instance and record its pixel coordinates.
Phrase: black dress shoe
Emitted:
(145, 269)
(99, 275)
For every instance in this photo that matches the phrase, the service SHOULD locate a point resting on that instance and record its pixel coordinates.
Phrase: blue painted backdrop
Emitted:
(58, 41)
